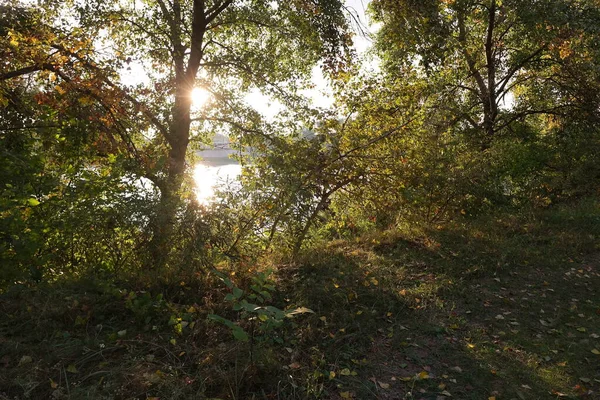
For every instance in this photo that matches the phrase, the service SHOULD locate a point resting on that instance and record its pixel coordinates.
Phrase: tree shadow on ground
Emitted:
(499, 307)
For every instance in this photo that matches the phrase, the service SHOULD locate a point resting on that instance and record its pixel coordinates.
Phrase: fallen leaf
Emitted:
(294, 365)
(345, 395)
(25, 360)
(595, 351)
(585, 380)
(72, 369)
(345, 372)
(384, 385)
(423, 375)
(301, 310)
(446, 393)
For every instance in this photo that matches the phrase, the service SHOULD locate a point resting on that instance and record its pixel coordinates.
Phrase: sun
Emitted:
(200, 97)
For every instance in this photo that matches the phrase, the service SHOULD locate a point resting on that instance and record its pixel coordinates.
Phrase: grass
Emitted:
(504, 306)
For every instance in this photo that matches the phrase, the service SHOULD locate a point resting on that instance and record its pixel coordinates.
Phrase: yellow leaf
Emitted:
(595, 351)
(423, 375)
(345, 372)
(72, 369)
(331, 374)
(345, 395)
(384, 385)
(59, 89)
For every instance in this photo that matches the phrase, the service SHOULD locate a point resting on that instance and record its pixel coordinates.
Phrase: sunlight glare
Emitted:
(200, 97)
(206, 178)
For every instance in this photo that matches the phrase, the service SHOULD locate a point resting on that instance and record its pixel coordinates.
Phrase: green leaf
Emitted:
(33, 202)
(263, 317)
(222, 320)
(237, 292)
(240, 334)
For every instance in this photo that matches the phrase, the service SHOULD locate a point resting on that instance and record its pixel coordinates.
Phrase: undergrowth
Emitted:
(503, 306)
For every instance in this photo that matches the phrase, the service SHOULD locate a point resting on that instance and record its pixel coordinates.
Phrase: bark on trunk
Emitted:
(178, 135)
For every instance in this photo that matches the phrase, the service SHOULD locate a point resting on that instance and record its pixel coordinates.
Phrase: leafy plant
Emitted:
(264, 319)
(144, 306)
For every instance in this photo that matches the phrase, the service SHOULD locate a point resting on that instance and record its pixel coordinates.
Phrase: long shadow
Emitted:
(493, 307)
(369, 339)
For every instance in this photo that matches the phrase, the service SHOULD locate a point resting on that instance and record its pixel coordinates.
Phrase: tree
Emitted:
(486, 53)
(225, 47)
(477, 103)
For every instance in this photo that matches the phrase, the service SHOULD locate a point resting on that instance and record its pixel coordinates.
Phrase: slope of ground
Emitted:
(503, 307)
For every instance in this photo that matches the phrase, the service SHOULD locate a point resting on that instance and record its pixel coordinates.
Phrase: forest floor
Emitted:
(502, 307)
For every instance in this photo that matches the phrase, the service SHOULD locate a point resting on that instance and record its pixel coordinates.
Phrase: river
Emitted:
(216, 167)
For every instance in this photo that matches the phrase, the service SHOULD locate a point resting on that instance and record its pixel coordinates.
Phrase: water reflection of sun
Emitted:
(206, 178)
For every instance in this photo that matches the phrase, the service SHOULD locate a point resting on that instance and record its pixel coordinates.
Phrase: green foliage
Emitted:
(252, 308)
(146, 308)
(266, 318)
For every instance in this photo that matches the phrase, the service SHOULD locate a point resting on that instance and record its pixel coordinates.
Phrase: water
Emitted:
(207, 176)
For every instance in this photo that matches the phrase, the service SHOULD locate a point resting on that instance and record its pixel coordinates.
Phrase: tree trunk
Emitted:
(178, 136)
